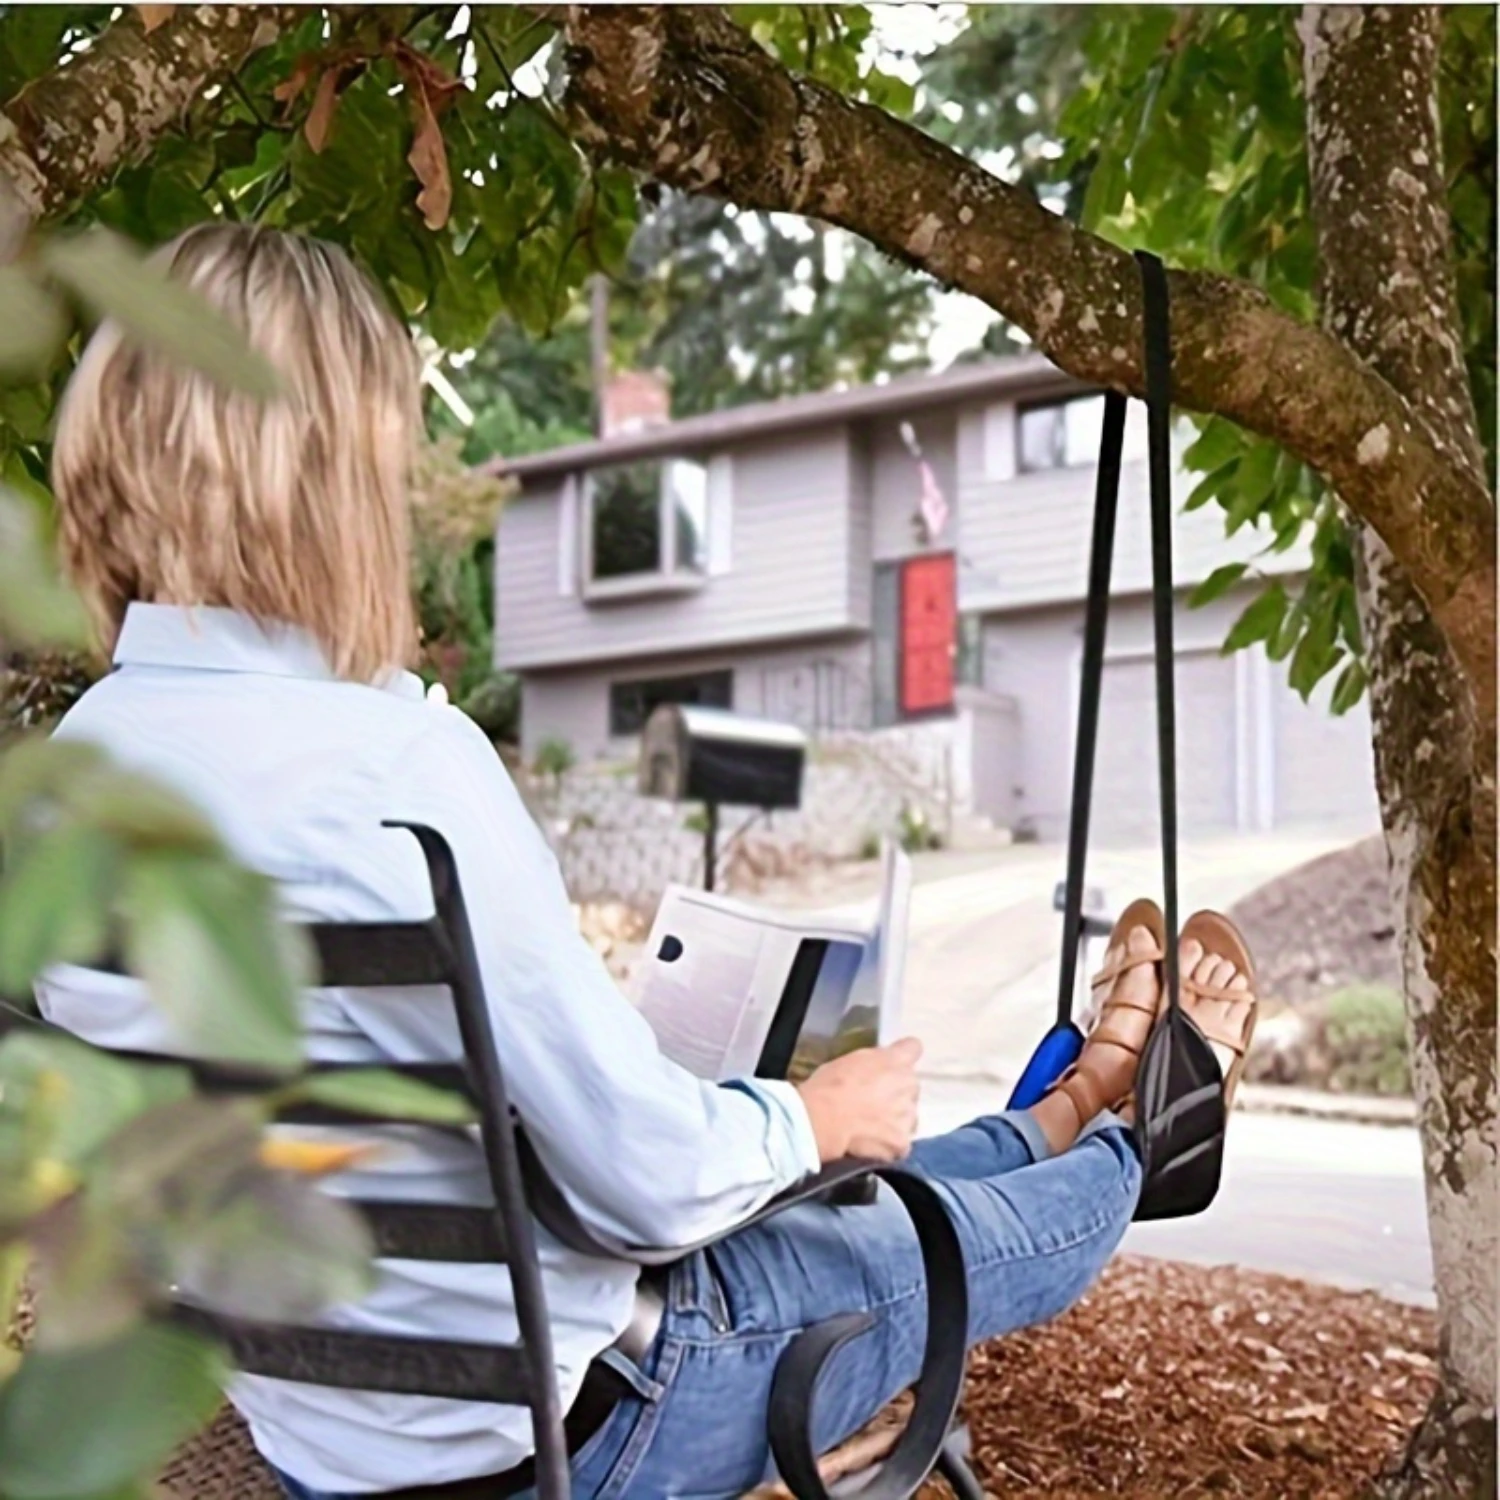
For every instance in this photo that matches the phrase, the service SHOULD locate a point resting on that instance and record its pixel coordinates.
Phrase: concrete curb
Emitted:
(1359, 1109)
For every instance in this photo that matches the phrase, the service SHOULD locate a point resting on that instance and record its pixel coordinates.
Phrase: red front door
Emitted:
(929, 617)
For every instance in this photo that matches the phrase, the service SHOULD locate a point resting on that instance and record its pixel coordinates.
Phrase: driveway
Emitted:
(981, 978)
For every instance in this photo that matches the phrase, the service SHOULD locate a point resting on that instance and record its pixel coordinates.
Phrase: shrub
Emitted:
(915, 832)
(1366, 1032)
(495, 705)
(553, 758)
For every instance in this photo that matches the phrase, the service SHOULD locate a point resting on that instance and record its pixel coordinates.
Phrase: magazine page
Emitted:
(856, 1001)
(710, 982)
(716, 970)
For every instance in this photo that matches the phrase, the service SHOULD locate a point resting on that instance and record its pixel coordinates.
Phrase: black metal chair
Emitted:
(440, 952)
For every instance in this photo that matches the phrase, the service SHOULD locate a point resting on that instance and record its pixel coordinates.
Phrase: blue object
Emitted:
(1055, 1053)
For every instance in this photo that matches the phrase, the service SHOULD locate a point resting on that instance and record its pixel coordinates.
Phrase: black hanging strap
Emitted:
(1096, 618)
(1156, 316)
(1158, 370)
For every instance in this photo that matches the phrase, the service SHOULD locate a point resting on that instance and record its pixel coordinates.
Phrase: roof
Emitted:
(1029, 374)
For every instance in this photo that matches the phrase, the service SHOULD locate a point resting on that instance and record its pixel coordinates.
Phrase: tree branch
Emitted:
(683, 95)
(71, 129)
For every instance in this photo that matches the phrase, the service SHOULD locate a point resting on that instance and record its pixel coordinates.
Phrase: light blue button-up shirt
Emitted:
(297, 770)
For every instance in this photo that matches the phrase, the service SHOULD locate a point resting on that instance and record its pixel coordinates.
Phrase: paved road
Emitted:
(1319, 1199)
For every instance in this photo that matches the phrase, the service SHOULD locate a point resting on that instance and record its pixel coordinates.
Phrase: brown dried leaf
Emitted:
(153, 16)
(320, 116)
(431, 90)
(428, 158)
(290, 88)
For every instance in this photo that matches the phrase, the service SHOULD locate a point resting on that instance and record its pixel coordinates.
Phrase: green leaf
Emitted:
(1218, 441)
(36, 769)
(79, 1422)
(27, 411)
(95, 1093)
(28, 43)
(1209, 487)
(1253, 481)
(1280, 644)
(1315, 655)
(113, 281)
(277, 1248)
(35, 606)
(33, 324)
(1106, 190)
(1219, 582)
(140, 812)
(1349, 688)
(382, 1094)
(17, 477)
(206, 938)
(54, 903)
(1259, 620)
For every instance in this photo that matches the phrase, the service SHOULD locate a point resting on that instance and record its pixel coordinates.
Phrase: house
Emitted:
(905, 559)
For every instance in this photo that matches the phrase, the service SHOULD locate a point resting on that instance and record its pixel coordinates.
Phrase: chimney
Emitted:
(635, 400)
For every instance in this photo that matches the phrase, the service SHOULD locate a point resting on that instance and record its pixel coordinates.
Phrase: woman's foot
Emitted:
(1218, 991)
(1104, 1075)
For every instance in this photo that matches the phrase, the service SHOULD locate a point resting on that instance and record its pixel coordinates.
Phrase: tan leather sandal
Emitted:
(1220, 938)
(1082, 1086)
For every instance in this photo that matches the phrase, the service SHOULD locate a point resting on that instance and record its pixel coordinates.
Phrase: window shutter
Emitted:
(567, 538)
(1000, 422)
(720, 513)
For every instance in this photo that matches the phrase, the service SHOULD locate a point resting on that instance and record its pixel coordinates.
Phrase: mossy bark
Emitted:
(1379, 197)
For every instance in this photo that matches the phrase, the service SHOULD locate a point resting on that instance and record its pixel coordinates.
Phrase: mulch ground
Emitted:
(1181, 1381)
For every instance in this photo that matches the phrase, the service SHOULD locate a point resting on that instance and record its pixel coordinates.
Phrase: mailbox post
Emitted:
(713, 756)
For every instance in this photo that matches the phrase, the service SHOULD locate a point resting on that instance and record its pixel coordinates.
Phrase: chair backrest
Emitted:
(436, 952)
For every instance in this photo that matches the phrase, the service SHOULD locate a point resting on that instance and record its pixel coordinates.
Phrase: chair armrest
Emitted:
(558, 1217)
(939, 1385)
(794, 1389)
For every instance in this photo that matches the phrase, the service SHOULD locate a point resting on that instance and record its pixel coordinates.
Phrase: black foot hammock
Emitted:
(1180, 1087)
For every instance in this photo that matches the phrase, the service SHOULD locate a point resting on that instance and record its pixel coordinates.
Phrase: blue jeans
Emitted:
(1036, 1232)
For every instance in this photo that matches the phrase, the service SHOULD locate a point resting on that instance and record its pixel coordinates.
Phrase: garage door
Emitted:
(1125, 796)
(1324, 767)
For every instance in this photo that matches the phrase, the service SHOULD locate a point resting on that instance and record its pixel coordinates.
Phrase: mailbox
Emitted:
(711, 755)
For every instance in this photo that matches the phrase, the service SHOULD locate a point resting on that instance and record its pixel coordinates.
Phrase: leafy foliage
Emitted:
(1189, 123)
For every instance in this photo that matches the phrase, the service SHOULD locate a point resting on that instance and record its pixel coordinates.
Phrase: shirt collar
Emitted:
(208, 639)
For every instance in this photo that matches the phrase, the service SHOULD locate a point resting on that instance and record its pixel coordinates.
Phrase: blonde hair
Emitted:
(175, 489)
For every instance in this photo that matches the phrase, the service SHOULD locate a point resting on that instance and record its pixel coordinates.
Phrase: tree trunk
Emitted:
(1388, 291)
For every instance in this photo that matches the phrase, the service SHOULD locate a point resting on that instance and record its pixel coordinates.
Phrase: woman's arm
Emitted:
(645, 1150)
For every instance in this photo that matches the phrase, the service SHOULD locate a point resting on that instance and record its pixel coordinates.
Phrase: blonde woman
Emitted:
(247, 566)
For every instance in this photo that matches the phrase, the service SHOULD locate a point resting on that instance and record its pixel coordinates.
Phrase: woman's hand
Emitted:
(865, 1103)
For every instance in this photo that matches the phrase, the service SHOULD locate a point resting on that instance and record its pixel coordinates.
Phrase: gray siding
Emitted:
(817, 683)
(861, 529)
(1280, 764)
(1024, 537)
(896, 484)
(789, 575)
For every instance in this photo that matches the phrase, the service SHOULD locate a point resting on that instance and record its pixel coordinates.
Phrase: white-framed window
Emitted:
(1058, 434)
(653, 523)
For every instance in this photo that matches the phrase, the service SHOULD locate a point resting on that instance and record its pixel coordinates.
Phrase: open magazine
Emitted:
(735, 990)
